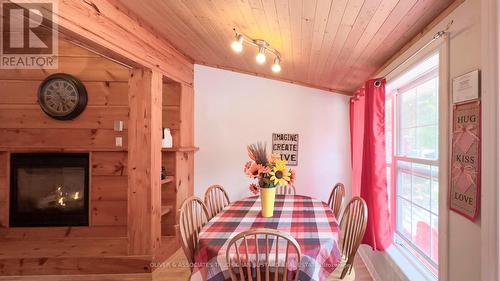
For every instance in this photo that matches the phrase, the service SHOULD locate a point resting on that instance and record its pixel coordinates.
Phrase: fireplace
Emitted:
(49, 189)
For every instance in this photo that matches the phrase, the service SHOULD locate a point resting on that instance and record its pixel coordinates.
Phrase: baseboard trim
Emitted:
(369, 265)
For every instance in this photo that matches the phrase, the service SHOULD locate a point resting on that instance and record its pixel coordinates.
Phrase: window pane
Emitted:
(403, 218)
(421, 185)
(427, 110)
(408, 110)
(421, 229)
(418, 121)
(426, 142)
(403, 185)
(407, 142)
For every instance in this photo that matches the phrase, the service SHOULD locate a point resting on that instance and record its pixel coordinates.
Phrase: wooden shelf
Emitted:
(180, 149)
(168, 179)
(165, 210)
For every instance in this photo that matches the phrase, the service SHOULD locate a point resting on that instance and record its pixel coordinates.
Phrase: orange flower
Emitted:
(247, 166)
(293, 177)
(254, 170)
(264, 170)
(254, 188)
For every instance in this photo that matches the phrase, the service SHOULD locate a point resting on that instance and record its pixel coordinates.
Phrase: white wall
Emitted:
(233, 110)
(464, 249)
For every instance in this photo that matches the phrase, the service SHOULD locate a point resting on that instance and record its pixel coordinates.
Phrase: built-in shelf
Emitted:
(168, 179)
(180, 149)
(165, 210)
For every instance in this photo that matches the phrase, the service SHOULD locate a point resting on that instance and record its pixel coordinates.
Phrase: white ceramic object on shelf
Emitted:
(167, 141)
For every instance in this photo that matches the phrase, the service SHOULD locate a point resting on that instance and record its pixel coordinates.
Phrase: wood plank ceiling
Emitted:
(328, 44)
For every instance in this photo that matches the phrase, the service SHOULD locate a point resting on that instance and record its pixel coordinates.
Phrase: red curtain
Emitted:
(357, 117)
(369, 177)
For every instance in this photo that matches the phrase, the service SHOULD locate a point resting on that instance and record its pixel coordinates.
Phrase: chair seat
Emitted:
(335, 276)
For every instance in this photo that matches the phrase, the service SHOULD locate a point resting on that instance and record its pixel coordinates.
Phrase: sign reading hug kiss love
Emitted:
(465, 164)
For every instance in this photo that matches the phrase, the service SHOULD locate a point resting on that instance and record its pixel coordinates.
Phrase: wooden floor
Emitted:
(182, 274)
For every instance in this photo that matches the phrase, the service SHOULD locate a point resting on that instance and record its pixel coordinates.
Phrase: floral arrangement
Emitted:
(269, 170)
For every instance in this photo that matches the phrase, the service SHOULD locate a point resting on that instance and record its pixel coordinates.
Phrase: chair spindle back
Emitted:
(353, 226)
(193, 216)
(336, 199)
(285, 190)
(261, 241)
(216, 199)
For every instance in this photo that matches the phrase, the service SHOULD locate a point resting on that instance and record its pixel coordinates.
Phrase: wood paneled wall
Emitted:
(25, 128)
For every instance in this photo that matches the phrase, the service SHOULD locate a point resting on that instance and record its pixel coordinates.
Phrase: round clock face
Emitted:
(62, 97)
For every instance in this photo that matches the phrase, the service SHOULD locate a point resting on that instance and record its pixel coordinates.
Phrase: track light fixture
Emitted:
(276, 65)
(237, 44)
(263, 47)
(261, 55)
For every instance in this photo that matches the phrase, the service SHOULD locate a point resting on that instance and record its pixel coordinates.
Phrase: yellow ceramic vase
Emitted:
(267, 200)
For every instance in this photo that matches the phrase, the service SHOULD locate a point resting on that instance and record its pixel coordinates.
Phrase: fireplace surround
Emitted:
(49, 189)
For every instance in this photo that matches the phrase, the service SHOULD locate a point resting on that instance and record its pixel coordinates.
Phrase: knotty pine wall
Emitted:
(25, 128)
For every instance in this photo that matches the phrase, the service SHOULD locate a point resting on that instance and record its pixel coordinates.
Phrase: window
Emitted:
(412, 132)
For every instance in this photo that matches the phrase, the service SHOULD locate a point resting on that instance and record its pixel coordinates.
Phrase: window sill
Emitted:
(411, 268)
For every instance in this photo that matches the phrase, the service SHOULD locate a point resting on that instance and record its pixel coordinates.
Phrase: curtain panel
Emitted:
(368, 155)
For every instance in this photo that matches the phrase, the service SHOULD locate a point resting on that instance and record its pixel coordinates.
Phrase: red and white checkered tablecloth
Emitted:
(311, 222)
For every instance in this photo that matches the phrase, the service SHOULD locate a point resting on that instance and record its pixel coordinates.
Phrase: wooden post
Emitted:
(144, 162)
(187, 116)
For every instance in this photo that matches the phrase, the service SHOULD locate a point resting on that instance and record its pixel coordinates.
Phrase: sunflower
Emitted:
(280, 175)
(273, 157)
(280, 163)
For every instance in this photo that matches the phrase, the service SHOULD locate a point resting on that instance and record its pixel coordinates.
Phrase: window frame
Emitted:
(395, 96)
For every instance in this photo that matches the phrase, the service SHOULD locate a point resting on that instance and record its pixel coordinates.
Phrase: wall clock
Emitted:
(62, 96)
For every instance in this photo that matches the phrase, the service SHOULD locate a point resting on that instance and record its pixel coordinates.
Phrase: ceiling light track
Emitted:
(263, 48)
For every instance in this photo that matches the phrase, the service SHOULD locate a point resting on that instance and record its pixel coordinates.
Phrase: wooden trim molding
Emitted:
(490, 199)
(444, 155)
(115, 33)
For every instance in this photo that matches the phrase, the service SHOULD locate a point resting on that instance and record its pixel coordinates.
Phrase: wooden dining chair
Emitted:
(353, 226)
(285, 190)
(216, 199)
(193, 216)
(336, 199)
(261, 241)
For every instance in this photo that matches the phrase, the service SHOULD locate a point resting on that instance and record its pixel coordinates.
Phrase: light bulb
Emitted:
(237, 44)
(261, 57)
(276, 65)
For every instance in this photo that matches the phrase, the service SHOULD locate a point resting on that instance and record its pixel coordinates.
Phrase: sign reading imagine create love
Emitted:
(287, 146)
(466, 153)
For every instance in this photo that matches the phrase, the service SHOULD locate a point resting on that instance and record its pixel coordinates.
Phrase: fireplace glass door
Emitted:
(49, 189)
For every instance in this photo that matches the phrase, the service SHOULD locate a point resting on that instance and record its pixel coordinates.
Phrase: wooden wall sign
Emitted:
(466, 159)
(287, 146)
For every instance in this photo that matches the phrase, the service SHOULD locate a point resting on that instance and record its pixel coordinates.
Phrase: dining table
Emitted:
(310, 221)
